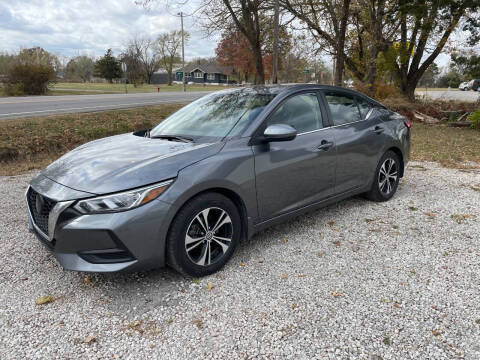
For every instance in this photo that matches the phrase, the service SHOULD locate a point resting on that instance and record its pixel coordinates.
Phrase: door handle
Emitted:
(378, 129)
(325, 145)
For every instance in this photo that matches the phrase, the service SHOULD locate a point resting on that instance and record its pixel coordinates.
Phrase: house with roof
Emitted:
(205, 72)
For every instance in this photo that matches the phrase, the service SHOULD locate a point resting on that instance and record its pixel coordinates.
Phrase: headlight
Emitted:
(122, 201)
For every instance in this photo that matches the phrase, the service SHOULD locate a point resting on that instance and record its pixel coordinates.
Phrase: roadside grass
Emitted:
(32, 143)
(102, 88)
(65, 88)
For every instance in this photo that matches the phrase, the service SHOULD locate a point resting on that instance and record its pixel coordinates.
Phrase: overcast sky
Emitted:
(73, 27)
(89, 27)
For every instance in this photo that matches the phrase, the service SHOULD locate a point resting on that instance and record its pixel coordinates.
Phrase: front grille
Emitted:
(40, 207)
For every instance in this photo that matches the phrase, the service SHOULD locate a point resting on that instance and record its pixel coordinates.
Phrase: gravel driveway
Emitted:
(397, 280)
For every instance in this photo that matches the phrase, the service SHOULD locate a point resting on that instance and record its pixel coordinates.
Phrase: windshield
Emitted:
(215, 116)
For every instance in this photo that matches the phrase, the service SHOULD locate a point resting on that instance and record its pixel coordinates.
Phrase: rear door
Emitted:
(296, 173)
(359, 138)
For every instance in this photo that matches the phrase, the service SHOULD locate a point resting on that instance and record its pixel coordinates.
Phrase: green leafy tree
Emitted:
(450, 79)
(430, 76)
(425, 27)
(30, 79)
(108, 67)
(80, 67)
(468, 65)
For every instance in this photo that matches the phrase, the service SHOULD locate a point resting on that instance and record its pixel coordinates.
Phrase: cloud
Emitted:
(76, 27)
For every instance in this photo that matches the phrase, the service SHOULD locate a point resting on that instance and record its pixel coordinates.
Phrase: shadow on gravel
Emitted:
(137, 293)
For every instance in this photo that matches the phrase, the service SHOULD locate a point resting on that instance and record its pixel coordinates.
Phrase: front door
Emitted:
(296, 173)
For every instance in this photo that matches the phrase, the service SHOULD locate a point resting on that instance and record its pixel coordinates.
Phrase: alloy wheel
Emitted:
(387, 176)
(208, 236)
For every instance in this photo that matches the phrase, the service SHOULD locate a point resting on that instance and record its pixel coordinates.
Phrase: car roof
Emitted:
(292, 88)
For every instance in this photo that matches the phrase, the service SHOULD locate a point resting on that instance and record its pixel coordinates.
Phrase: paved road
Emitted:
(457, 95)
(14, 107)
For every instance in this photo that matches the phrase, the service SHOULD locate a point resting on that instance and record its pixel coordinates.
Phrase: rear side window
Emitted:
(343, 108)
(300, 111)
(364, 106)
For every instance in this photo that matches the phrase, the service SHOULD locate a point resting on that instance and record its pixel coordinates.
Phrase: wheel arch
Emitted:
(399, 153)
(230, 194)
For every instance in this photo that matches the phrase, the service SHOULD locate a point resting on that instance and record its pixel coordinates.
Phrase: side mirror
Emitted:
(279, 132)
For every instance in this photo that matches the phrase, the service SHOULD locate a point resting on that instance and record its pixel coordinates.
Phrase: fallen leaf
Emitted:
(412, 208)
(91, 339)
(293, 306)
(284, 276)
(369, 220)
(336, 243)
(331, 223)
(397, 305)
(242, 264)
(285, 240)
(320, 254)
(436, 333)
(134, 324)
(209, 286)
(108, 314)
(431, 214)
(87, 280)
(412, 271)
(198, 323)
(44, 300)
(336, 294)
(301, 275)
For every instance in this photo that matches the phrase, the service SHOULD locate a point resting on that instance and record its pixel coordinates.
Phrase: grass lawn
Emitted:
(102, 88)
(32, 143)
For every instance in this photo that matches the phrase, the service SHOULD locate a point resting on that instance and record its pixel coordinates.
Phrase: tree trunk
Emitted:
(257, 58)
(339, 67)
(169, 77)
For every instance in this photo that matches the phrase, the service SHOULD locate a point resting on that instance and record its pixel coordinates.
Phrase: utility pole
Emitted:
(275, 45)
(183, 54)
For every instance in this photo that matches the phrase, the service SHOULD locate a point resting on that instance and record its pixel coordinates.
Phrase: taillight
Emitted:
(408, 124)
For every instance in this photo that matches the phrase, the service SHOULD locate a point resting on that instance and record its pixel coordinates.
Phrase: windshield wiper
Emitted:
(172, 138)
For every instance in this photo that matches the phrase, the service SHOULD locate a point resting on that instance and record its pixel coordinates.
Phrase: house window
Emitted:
(198, 75)
(210, 76)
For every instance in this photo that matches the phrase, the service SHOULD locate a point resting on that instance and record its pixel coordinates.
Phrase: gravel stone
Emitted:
(357, 280)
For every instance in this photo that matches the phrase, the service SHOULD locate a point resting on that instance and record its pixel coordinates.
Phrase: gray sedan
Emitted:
(218, 170)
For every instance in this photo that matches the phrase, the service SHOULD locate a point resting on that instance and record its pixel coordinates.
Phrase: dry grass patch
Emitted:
(27, 144)
(451, 147)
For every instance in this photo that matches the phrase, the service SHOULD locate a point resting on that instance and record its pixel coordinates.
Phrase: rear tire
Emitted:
(203, 235)
(387, 176)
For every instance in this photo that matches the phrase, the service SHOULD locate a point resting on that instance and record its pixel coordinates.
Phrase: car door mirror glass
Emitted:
(279, 132)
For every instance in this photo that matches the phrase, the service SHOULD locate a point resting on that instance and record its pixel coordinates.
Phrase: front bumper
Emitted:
(131, 240)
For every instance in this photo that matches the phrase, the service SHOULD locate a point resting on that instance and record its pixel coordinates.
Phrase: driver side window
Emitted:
(300, 111)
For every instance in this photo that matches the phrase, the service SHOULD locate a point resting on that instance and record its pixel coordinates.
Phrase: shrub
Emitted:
(28, 79)
(381, 91)
(475, 119)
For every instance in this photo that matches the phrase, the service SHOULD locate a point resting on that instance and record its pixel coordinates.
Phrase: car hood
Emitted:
(124, 162)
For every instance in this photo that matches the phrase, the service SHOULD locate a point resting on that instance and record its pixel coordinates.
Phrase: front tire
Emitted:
(387, 177)
(203, 235)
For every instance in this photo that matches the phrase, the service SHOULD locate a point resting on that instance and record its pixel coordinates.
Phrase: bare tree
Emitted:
(327, 20)
(168, 46)
(135, 70)
(144, 48)
(249, 17)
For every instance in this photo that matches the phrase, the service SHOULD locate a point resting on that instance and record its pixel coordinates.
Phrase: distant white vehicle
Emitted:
(464, 86)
